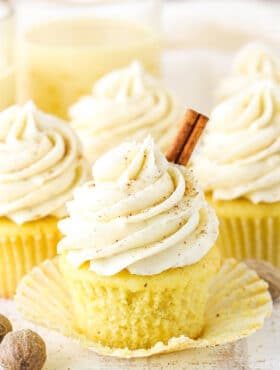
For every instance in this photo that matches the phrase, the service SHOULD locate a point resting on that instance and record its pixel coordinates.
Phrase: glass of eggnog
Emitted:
(64, 46)
(7, 81)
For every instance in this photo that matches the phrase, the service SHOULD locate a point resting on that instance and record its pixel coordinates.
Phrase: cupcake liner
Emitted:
(238, 304)
(20, 253)
(257, 238)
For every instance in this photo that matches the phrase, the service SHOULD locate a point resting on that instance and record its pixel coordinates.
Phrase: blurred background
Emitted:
(53, 50)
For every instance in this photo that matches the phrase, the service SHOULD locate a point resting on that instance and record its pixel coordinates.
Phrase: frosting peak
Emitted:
(40, 164)
(127, 103)
(140, 212)
(130, 82)
(240, 154)
(257, 60)
(254, 62)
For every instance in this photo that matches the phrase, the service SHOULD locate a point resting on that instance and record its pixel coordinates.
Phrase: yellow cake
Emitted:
(238, 165)
(134, 311)
(40, 164)
(138, 253)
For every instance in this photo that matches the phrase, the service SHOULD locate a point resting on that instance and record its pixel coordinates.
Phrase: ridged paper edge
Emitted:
(238, 304)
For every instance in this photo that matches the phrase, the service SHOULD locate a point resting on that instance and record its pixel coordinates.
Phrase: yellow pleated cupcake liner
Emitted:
(249, 230)
(23, 247)
(238, 304)
(250, 238)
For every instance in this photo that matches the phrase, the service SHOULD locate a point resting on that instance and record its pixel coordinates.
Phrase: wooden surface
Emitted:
(259, 352)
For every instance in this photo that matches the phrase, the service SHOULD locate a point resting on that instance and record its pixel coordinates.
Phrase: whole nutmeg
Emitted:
(5, 327)
(22, 350)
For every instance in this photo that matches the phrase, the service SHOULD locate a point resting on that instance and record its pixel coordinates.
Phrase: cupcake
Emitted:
(40, 164)
(126, 104)
(254, 62)
(139, 250)
(238, 165)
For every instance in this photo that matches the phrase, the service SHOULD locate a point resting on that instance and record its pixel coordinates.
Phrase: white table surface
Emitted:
(258, 352)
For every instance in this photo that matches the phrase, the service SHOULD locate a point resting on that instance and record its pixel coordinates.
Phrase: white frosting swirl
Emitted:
(240, 154)
(140, 212)
(40, 164)
(126, 104)
(254, 62)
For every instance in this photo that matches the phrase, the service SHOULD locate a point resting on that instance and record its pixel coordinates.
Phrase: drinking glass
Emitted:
(7, 82)
(65, 46)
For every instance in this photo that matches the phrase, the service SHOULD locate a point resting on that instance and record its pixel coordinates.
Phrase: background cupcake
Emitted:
(255, 61)
(138, 252)
(128, 103)
(40, 164)
(239, 166)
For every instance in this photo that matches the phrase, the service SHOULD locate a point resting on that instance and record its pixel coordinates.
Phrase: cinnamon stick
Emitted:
(187, 137)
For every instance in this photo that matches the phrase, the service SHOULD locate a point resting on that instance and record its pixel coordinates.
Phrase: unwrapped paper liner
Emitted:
(238, 304)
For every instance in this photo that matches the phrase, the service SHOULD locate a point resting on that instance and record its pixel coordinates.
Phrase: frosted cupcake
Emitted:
(40, 164)
(138, 252)
(254, 62)
(239, 167)
(126, 104)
